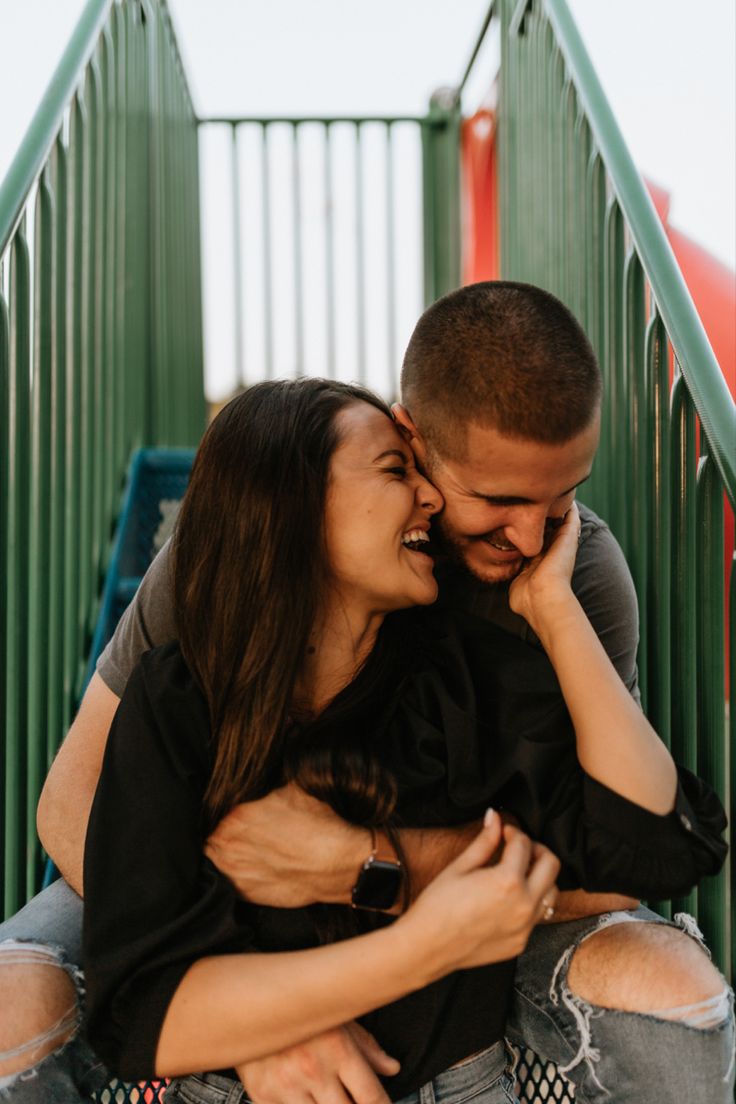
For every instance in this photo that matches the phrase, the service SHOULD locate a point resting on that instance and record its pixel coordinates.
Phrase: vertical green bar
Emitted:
(329, 254)
(76, 285)
(39, 515)
(615, 411)
(441, 206)
(100, 447)
(558, 151)
(360, 335)
(658, 608)
(157, 397)
(595, 213)
(16, 624)
(298, 259)
(85, 413)
(125, 215)
(238, 305)
(638, 446)
(267, 279)
(569, 253)
(582, 276)
(58, 715)
(391, 268)
(684, 575)
(195, 305)
(107, 73)
(714, 892)
(5, 422)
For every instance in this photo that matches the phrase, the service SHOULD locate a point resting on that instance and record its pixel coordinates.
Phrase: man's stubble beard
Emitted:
(451, 552)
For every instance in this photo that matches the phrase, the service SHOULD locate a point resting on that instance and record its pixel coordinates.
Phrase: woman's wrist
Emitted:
(554, 615)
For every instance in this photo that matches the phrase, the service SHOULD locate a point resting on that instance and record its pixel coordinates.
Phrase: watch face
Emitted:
(378, 885)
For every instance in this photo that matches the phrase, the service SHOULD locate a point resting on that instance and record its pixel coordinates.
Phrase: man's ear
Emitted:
(404, 420)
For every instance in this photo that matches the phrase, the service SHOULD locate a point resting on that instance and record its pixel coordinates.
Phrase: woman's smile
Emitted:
(378, 514)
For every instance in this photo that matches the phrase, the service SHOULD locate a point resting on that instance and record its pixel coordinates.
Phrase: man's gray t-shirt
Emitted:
(601, 581)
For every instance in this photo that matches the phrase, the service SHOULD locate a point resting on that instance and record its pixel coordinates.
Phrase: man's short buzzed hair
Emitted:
(506, 356)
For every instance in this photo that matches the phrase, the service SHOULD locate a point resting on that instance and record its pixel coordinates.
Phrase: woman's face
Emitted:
(377, 515)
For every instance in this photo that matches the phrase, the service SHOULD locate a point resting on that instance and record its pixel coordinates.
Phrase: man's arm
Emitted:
(266, 848)
(66, 799)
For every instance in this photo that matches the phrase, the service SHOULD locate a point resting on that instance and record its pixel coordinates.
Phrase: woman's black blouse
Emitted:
(473, 717)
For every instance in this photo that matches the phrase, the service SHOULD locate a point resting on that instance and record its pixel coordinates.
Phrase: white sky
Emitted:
(668, 67)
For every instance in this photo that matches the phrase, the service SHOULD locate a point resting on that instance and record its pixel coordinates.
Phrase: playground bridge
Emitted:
(101, 353)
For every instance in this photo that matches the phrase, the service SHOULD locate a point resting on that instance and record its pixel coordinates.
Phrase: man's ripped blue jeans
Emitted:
(611, 1056)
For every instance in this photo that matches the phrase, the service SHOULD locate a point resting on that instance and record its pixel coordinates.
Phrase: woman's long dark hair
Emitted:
(250, 572)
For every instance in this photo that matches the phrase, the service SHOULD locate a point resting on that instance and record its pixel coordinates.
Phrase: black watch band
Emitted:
(380, 881)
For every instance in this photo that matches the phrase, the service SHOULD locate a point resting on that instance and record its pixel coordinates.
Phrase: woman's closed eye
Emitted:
(400, 470)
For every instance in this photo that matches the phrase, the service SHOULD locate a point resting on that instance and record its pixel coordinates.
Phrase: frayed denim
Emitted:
(611, 1057)
(664, 1056)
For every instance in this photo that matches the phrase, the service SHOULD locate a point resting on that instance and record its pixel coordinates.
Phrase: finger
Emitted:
(543, 874)
(372, 1051)
(517, 852)
(332, 1093)
(362, 1084)
(479, 852)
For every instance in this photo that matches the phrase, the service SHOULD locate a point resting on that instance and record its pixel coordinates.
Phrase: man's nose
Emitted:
(526, 531)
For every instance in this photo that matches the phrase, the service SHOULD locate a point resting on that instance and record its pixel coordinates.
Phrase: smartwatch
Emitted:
(380, 878)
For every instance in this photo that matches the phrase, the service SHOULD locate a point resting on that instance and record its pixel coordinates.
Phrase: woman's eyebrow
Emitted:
(392, 452)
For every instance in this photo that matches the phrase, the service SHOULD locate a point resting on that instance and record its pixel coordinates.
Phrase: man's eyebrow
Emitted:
(513, 500)
(392, 452)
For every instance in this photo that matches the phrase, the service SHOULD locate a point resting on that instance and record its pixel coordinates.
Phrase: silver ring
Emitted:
(549, 910)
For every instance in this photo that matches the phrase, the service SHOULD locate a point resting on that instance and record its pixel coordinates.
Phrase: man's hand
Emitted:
(288, 850)
(338, 1067)
(573, 904)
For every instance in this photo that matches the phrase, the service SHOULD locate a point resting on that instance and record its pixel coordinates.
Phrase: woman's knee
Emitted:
(39, 998)
(647, 967)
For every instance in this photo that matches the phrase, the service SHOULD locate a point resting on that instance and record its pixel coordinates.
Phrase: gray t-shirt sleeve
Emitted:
(147, 622)
(603, 585)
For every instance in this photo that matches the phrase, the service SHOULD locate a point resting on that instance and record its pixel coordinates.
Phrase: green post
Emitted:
(441, 183)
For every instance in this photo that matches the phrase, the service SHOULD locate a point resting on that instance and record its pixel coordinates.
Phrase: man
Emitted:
(501, 403)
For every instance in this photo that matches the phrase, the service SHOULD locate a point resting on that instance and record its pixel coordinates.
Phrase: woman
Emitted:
(302, 534)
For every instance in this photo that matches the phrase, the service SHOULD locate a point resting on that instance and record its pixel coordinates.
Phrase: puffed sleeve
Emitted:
(153, 903)
(484, 720)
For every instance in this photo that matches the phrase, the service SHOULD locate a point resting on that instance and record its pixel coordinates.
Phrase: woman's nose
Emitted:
(429, 497)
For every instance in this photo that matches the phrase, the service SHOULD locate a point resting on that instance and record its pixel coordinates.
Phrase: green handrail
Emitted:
(41, 134)
(100, 353)
(704, 379)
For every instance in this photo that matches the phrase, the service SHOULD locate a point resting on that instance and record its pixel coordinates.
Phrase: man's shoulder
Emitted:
(596, 543)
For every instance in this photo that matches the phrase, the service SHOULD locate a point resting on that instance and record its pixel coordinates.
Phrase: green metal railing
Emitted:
(317, 236)
(576, 219)
(100, 352)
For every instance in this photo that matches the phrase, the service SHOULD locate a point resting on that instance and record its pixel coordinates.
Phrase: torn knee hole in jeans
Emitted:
(711, 1012)
(55, 1018)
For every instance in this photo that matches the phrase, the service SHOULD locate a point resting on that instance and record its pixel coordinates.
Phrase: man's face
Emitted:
(505, 495)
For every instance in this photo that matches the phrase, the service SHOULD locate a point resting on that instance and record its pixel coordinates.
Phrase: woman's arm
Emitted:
(616, 745)
(231, 1009)
(166, 992)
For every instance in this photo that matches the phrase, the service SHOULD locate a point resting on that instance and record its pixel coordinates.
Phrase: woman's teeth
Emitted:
(415, 537)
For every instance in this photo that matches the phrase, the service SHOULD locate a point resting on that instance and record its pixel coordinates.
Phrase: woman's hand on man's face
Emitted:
(541, 590)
